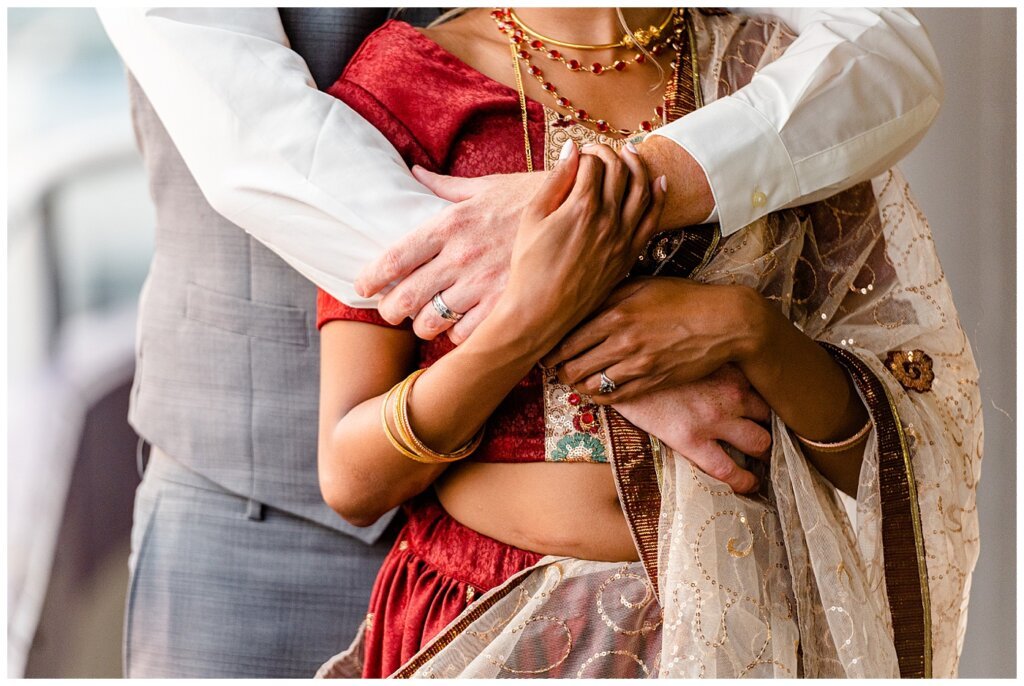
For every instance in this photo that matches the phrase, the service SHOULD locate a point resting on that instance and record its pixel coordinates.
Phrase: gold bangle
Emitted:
(839, 446)
(425, 454)
(387, 429)
(400, 414)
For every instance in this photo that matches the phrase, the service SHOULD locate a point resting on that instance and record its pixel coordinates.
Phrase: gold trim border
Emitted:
(698, 96)
(915, 510)
(635, 474)
(902, 535)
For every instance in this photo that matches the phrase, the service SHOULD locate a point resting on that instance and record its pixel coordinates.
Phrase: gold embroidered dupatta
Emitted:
(783, 584)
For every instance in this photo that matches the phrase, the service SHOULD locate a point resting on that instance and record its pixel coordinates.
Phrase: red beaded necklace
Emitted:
(507, 24)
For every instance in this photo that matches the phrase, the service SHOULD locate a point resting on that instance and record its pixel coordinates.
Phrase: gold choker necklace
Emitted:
(639, 38)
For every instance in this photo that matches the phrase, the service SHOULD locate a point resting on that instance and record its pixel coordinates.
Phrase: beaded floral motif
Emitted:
(578, 447)
(575, 429)
(912, 368)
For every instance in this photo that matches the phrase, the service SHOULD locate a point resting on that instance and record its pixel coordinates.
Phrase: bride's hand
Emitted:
(656, 333)
(579, 237)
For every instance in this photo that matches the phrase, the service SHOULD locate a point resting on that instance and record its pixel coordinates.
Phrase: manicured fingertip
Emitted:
(663, 182)
(631, 148)
(566, 150)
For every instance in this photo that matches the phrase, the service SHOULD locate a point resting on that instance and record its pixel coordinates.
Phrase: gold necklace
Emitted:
(515, 33)
(673, 39)
(522, 107)
(642, 36)
(682, 95)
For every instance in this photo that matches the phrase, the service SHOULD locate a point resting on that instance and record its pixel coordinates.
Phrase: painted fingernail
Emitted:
(631, 148)
(566, 149)
(664, 183)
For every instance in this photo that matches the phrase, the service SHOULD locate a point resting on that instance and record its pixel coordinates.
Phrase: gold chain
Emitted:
(643, 36)
(522, 107)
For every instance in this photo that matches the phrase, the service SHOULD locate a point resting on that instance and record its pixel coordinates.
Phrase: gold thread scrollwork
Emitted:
(606, 653)
(503, 665)
(647, 626)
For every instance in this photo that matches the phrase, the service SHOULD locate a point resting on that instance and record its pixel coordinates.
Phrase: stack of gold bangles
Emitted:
(407, 443)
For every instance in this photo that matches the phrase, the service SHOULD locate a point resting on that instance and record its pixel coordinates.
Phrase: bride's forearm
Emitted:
(452, 400)
(807, 389)
(363, 475)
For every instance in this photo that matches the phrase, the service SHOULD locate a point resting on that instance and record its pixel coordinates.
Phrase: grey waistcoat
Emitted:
(228, 352)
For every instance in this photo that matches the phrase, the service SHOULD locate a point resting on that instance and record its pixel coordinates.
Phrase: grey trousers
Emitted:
(221, 587)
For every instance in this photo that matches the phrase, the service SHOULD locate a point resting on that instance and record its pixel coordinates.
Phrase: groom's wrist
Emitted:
(690, 200)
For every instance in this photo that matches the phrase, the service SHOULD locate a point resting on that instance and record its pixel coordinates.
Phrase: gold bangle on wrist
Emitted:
(409, 444)
(415, 444)
(839, 446)
(387, 429)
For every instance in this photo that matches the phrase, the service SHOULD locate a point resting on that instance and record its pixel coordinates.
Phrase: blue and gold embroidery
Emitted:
(579, 447)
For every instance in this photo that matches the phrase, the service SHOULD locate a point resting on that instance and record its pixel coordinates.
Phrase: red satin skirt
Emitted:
(435, 570)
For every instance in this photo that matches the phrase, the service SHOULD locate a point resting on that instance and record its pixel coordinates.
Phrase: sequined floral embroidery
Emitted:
(579, 448)
(575, 429)
(912, 368)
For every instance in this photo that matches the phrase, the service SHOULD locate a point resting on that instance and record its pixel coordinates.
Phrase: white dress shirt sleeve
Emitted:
(293, 166)
(851, 96)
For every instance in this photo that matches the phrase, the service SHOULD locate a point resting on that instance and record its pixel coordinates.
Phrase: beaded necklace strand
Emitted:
(656, 37)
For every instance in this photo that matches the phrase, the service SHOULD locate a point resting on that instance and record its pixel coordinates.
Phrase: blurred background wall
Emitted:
(80, 233)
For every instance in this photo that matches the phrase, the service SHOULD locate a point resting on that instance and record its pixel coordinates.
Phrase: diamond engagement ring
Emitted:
(607, 385)
(444, 311)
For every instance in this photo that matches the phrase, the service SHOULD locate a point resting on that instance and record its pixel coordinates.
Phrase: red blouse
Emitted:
(475, 130)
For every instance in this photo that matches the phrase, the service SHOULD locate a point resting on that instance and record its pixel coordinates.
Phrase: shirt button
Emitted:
(758, 199)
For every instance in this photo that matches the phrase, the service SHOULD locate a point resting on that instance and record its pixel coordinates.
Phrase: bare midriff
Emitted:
(546, 507)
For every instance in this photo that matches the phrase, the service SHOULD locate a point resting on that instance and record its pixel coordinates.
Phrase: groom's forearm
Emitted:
(293, 166)
(802, 129)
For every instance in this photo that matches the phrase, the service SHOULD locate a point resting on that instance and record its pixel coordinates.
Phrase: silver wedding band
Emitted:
(444, 311)
(607, 385)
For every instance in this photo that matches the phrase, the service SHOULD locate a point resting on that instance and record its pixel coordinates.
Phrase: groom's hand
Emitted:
(695, 419)
(463, 253)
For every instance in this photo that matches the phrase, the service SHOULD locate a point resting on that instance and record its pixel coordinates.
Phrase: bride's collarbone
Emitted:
(621, 98)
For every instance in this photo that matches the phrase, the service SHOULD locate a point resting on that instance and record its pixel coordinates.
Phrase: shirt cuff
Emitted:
(746, 162)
